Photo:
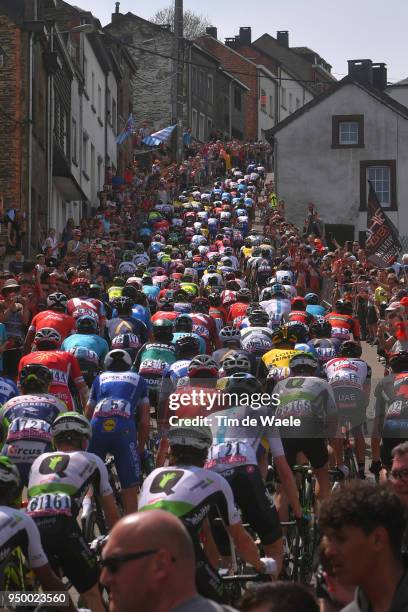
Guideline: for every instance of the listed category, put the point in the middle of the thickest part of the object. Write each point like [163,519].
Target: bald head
[154,529]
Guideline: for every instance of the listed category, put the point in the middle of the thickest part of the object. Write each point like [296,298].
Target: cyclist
[275,303]
[119,410]
[298,313]
[257,337]
[230,338]
[343,323]
[350,378]
[234,454]
[183,326]
[310,400]
[26,419]
[63,365]
[8,389]
[187,346]
[58,481]
[83,304]
[124,322]
[19,531]
[89,363]
[87,336]
[313,305]
[54,317]
[326,346]
[178,489]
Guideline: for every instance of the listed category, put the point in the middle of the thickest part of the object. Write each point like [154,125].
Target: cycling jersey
[204,326]
[115,397]
[26,422]
[237,310]
[277,309]
[153,361]
[343,326]
[316,310]
[300,316]
[349,379]
[86,306]
[201,341]
[92,342]
[178,372]
[125,325]
[151,291]
[310,400]
[326,348]
[63,323]
[8,389]
[17,530]
[256,340]
[63,366]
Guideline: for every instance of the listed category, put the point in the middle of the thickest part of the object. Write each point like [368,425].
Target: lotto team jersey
[117,394]
[63,365]
[279,358]
[236,445]
[189,493]
[19,530]
[8,389]
[58,483]
[342,372]
[92,342]
[61,322]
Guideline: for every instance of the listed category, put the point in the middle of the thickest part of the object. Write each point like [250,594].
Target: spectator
[362,526]
[279,597]
[16,320]
[162,577]
[16,264]
[51,244]
[3,335]
[67,232]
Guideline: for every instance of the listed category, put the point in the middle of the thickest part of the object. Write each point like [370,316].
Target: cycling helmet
[183,323]
[47,337]
[196,437]
[162,325]
[283,335]
[57,301]
[349,348]
[235,362]
[277,290]
[128,342]
[305,348]
[301,360]
[87,324]
[123,304]
[299,330]
[35,376]
[87,359]
[130,292]
[211,269]
[117,360]
[321,329]
[187,345]
[229,333]
[71,422]
[398,361]
[203,366]
[214,299]
[244,294]
[298,303]
[312,299]
[258,318]
[243,382]
[10,481]
[266,294]
[344,307]
[200,304]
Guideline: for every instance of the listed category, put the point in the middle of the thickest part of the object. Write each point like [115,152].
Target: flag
[382,244]
[127,131]
[155,139]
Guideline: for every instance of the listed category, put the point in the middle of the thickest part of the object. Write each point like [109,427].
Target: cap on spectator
[394,306]
[405,258]
[11,283]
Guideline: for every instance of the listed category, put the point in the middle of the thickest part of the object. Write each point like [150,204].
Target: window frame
[210,89]
[337,120]
[263,97]
[74,145]
[237,99]
[283,98]
[392,165]
[194,122]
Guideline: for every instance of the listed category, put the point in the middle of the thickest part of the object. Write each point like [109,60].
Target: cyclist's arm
[50,582]
[143,425]
[288,482]
[28,340]
[210,547]
[245,545]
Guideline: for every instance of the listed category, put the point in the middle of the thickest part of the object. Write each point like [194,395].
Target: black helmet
[187,345]
[321,329]
[399,361]
[183,323]
[163,329]
[35,377]
[244,294]
[300,330]
[349,348]
[344,307]
[123,304]
[258,317]
[243,382]
[86,324]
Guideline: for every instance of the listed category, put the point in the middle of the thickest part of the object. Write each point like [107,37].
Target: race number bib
[113,408]
[340,332]
[24,428]
[50,503]
[231,454]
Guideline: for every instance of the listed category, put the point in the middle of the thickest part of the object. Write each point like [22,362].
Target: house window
[297,103]
[201,84]
[108,106]
[74,141]
[347,131]
[283,100]
[99,102]
[114,115]
[271,106]
[291,102]
[93,90]
[210,88]
[194,122]
[194,79]
[85,70]
[100,162]
[209,127]
[237,99]
[383,175]
[85,165]
[263,100]
[202,127]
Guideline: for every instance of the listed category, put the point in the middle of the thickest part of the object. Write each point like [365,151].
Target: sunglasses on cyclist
[399,474]
[113,564]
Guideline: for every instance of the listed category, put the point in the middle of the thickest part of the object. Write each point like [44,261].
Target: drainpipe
[30,143]
[230,110]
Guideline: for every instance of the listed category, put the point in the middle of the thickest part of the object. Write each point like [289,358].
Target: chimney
[232,42]
[245,36]
[282,36]
[361,70]
[380,75]
[211,31]
[117,5]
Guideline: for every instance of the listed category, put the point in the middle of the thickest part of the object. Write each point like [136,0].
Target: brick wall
[245,72]
[13,114]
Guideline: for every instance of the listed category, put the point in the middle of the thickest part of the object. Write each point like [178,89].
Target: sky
[337,31]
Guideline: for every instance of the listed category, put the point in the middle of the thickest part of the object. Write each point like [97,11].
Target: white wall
[266,115]
[309,170]
[293,95]
[112,129]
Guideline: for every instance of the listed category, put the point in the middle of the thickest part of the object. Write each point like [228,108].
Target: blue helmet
[312,299]
[305,348]
[277,289]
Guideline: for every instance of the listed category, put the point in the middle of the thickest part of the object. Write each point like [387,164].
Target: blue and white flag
[127,131]
[155,139]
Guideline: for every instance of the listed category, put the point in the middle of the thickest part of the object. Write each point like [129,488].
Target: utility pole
[178,33]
